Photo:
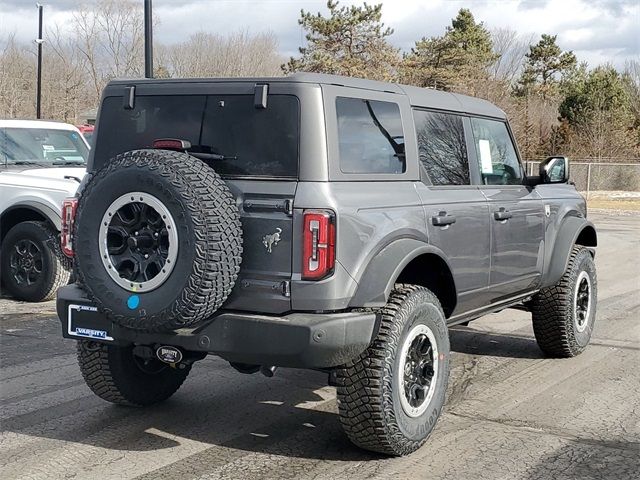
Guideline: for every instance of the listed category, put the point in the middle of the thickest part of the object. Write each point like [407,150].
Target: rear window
[254,142]
[370,136]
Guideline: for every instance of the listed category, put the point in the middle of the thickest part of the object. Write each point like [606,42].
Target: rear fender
[379,278]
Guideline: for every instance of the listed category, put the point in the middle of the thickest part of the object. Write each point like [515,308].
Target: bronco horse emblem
[272,240]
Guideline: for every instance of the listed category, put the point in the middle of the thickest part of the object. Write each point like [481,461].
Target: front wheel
[116,375]
[32,264]
[564,314]
[391,396]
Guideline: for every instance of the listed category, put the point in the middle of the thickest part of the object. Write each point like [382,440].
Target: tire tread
[364,384]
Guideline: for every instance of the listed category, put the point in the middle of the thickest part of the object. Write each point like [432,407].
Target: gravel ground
[511,413]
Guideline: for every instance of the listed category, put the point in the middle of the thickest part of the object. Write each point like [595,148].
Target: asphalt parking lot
[511,413]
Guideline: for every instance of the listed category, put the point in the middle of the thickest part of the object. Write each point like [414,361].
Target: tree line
[555,102]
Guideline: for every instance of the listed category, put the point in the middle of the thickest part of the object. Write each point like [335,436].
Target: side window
[441,147]
[370,137]
[497,157]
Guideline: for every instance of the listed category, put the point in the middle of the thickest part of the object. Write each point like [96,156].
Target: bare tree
[17,85]
[510,48]
[109,34]
[65,79]
[235,55]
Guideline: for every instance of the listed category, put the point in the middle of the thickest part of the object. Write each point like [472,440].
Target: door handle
[502,214]
[442,219]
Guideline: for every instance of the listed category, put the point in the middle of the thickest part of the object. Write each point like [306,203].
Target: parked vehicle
[87,131]
[41,163]
[318,222]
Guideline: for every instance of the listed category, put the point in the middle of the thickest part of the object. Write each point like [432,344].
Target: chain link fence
[598,176]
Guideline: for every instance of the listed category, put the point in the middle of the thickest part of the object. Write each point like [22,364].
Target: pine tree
[457,60]
[351,41]
[545,67]
[597,108]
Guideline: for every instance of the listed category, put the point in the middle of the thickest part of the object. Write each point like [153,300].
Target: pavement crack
[533,428]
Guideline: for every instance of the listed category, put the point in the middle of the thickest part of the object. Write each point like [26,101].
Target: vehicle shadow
[292,414]
[280,416]
[477,342]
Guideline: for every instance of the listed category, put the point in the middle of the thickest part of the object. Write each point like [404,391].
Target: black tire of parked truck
[32,263]
[158,240]
[116,375]
[564,314]
[391,396]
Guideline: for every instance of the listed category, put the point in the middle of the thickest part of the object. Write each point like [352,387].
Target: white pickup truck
[41,163]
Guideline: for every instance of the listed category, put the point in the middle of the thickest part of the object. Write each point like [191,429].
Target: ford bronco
[318,222]
[41,163]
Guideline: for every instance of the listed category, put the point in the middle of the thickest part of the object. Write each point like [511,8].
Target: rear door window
[370,136]
[442,148]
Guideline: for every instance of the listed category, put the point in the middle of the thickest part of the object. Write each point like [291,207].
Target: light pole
[39,42]
[148,40]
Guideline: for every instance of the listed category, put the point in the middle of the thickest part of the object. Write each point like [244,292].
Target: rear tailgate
[266,209]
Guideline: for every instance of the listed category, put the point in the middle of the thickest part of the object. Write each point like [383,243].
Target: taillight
[69,206]
[319,244]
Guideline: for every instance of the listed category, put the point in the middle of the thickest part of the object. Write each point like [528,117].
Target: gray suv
[318,222]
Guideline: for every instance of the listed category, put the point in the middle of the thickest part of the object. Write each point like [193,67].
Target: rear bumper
[307,340]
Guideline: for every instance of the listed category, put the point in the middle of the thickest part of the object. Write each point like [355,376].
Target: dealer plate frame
[89,332]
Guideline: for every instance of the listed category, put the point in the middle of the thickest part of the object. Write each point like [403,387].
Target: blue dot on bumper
[133,301]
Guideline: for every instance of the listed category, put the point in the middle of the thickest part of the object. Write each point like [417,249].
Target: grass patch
[614,204]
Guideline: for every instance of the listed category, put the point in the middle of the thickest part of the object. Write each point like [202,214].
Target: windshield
[42,147]
[227,131]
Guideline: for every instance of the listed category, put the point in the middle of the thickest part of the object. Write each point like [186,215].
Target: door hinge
[286,288]
[288,206]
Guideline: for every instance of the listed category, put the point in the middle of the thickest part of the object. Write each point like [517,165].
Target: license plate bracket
[84,321]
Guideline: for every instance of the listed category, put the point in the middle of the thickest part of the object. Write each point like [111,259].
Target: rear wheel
[32,264]
[118,376]
[391,396]
[564,314]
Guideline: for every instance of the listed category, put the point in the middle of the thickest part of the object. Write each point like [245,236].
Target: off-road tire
[209,239]
[55,265]
[552,309]
[368,399]
[113,374]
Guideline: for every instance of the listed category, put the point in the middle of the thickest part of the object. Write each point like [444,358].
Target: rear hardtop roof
[418,97]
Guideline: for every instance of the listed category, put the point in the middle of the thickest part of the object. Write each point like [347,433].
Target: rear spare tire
[158,240]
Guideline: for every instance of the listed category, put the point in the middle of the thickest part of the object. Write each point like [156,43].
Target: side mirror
[554,170]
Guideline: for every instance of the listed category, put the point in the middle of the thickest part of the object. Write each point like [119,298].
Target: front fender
[52,215]
[378,279]
[555,264]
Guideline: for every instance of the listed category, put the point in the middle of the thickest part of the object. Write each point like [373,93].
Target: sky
[598,31]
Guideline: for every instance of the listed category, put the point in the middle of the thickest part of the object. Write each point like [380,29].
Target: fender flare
[50,214]
[556,263]
[378,279]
